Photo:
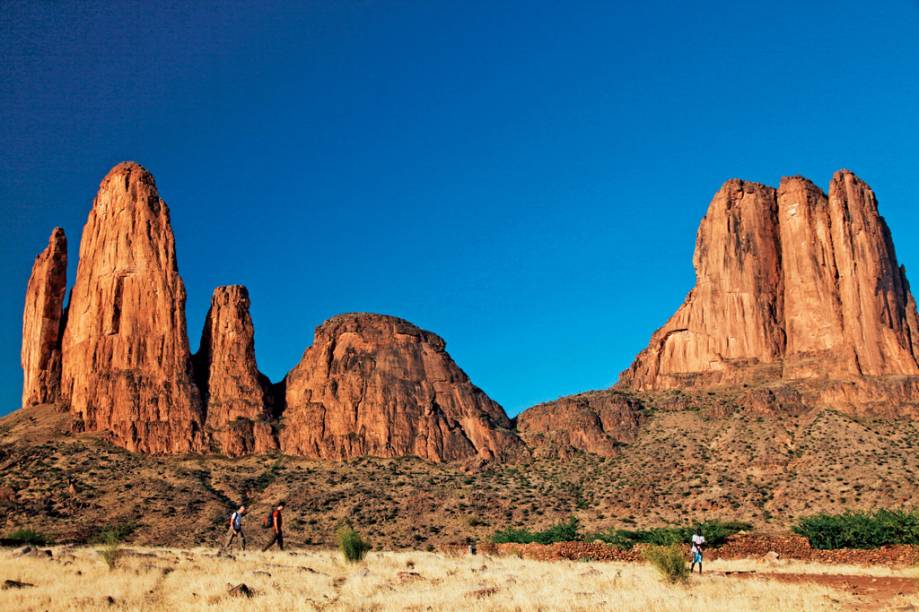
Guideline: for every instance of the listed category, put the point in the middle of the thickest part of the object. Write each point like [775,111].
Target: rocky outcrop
[126,362]
[378,385]
[598,422]
[233,390]
[730,328]
[790,284]
[43,323]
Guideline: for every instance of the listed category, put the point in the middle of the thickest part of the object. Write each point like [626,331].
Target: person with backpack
[274,520]
[698,541]
[236,529]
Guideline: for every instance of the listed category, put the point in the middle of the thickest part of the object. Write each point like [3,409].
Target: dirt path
[872,592]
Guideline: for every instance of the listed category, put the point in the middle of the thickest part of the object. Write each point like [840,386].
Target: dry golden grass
[176,579]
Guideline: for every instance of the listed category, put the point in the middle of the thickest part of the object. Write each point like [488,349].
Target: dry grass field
[77,578]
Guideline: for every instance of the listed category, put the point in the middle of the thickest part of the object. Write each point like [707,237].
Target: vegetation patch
[562,532]
[351,544]
[27,536]
[669,561]
[860,529]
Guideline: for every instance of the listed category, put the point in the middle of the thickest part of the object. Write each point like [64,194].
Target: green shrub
[111,547]
[114,533]
[860,529]
[669,561]
[352,546]
[562,532]
[715,532]
[28,536]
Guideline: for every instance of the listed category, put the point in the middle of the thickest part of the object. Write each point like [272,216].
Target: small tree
[669,561]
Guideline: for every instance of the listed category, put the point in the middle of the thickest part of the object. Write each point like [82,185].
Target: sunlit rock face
[126,361]
[377,385]
[233,390]
[43,323]
[791,284]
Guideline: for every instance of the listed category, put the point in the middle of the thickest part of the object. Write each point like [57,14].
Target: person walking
[275,521]
[698,541]
[236,529]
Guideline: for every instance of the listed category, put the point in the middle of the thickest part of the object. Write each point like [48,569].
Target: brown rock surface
[729,329]
[43,323]
[126,361]
[596,422]
[377,385]
[232,388]
[790,285]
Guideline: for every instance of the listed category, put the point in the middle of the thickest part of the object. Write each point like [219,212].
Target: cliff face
[232,388]
[377,385]
[790,284]
[126,361]
[43,323]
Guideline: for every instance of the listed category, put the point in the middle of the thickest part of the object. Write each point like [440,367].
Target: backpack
[269,520]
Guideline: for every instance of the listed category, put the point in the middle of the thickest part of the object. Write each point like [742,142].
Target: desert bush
[562,532]
[668,560]
[28,536]
[110,551]
[350,543]
[860,529]
[119,533]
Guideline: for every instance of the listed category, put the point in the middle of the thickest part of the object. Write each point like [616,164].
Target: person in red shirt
[276,525]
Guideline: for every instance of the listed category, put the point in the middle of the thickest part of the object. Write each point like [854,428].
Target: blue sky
[523,178]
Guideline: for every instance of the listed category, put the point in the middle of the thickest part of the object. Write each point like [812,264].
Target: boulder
[597,422]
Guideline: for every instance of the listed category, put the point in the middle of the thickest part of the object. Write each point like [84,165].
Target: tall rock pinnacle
[233,390]
[42,323]
[790,284]
[126,361]
[730,328]
[377,385]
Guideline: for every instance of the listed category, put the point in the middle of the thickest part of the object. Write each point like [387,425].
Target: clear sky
[523,178]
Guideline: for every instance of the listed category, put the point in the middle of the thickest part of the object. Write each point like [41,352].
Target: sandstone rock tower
[233,390]
[126,361]
[790,284]
[43,324]
[378,385]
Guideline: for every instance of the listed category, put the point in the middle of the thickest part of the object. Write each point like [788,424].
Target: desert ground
[78,578]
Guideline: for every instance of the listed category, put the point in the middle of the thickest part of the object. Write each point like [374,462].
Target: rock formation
[378,385]
[126,362]
[790,284]
[43,322]
[597,422]
[232,388]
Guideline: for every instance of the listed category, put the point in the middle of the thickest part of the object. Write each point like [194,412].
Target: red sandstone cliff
[232,388]
[789,285]
[42,323]
[126,361]
[378,385]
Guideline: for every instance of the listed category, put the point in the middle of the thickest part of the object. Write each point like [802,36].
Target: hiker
[274,520]
[698,540]
[236,529]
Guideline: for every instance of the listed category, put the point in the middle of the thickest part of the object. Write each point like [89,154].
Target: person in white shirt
[236,529]
[698,540]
